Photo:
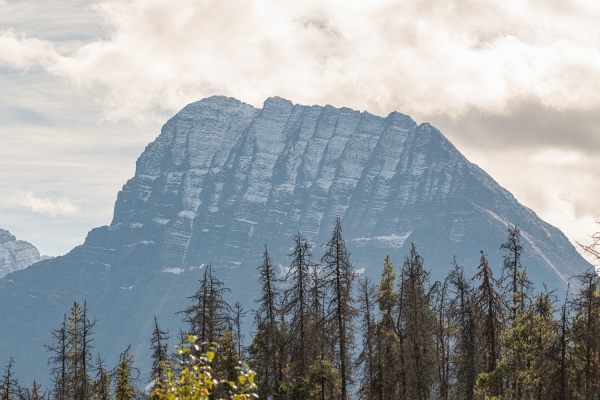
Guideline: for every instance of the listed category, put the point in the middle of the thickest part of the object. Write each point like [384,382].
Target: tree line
[322,331]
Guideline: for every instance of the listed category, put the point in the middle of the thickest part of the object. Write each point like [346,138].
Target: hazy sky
[86,85]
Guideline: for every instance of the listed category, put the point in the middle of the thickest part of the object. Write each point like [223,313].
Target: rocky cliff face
[223,179]
[15,254]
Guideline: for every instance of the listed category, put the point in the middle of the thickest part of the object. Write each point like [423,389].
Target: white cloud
[43,205]
[420,57]
[22,52]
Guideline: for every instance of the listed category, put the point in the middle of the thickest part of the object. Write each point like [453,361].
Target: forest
[323,331]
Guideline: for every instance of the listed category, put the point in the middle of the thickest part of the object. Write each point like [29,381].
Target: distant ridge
[223,178]
[16,254]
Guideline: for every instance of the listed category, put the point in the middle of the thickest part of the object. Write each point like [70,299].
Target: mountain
[224,178]
[16,254]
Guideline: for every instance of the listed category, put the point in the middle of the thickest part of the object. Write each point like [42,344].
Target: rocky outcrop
[224,178]
[16,254]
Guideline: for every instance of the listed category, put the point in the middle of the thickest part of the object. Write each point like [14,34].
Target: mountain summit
[224,178]
[16,254]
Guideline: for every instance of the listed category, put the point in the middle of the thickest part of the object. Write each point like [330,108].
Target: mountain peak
[5,237]
[15,254]
[224,178]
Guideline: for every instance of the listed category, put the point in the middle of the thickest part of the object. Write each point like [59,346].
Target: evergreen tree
[528,362]
[125,376]
[75,357]
[160,356]
[86,354]
[58,361]
[319,335]
[443,338]
[297,307]
[70,358]
[180,359]
[36,392]
[9,386]
[489,310]
[209,315]
[367,300]
[227,362]
[586,326]
[564,353]
[238,315]
[518,287]
[124,388]
[465,358]
[418,320]
[101,384]
[266,350]
[390,379]
[339,276]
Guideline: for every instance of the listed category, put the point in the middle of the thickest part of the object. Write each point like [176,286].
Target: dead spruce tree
[489,310]
[267,355]
[338,277]
[160,355]
[9,386]
[297,310]
[58,360]
[366,361]
[518,288]
[209,315]
[443,338]
[322,378]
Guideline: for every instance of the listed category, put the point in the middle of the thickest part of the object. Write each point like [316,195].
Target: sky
[86,85]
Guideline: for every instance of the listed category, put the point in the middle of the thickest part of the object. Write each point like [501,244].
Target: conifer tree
[586,325]
[101,384]
[124,388]
[209,315]
[9,386]
[237,320]
[266,350]
[58,360]
[180,359]
[518,287]
[321,348]
[390,381]
[160,356]
[297,306]
[443,337]
[528,362]
[36,392]
[226,363]
[70,358]
[366,361]
[75,357]
[489,310]
[418,321]
[86,354]
[564,351]
[339,276]
[125,376]
[545,363]
[462,315]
